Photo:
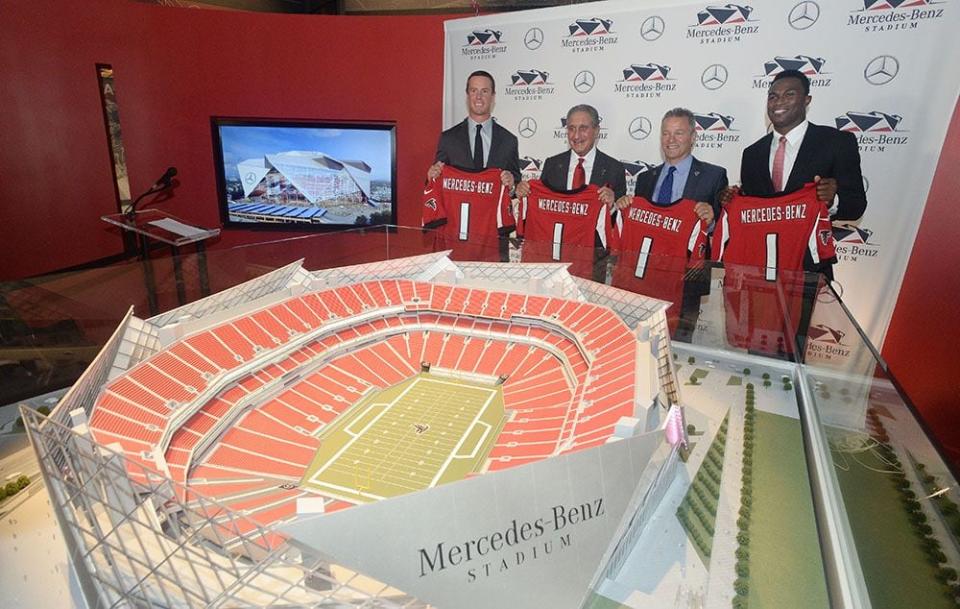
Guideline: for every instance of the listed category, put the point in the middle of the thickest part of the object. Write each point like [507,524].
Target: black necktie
[478,149]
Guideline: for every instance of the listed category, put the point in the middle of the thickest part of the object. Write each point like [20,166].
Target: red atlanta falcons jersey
[762,315]
[562,226]
[471,210]
[774,232]
[654,246]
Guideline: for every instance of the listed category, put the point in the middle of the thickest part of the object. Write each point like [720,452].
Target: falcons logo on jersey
[431,203]
[826,236]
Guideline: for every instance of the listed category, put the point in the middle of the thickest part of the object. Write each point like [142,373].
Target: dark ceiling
[368,7]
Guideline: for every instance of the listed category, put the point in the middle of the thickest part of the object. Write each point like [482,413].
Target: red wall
[174,68]
[923,339]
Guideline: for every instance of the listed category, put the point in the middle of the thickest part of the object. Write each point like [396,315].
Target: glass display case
[804,477]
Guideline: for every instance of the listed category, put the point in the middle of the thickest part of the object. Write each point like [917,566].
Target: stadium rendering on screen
[296,175]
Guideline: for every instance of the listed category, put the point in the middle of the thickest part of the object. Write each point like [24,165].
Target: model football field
[783,530]
[422,432]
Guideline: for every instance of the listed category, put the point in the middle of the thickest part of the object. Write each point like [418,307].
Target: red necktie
[580,176]
[778,158]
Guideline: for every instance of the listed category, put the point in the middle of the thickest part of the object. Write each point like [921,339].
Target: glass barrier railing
[837,457]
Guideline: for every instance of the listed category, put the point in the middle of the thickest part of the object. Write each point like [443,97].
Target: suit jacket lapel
[564,170]
[804,158]
[465,140]
[598,175]
[693,179]
[654,176]
[763,163]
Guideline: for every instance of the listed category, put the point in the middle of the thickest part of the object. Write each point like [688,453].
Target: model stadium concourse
[490,427]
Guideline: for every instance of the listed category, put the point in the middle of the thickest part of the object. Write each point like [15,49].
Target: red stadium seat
[546,348]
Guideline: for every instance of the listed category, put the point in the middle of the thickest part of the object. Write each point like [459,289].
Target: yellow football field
[425,431]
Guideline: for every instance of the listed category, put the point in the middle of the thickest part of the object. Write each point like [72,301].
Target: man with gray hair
[583,164]
[681,175]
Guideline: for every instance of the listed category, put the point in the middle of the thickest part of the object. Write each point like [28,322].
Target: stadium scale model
[228,438]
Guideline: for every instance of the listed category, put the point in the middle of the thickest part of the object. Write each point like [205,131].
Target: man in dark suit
[478,141]
[803,152]
[796,152]
[681,175]
[583,163]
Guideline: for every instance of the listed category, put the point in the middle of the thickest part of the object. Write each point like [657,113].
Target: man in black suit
[810,153]
[560,172]
[681,175]
[797,152]
[478,142]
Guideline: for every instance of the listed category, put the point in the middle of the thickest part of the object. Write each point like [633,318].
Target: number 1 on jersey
[643,257]
[557,239]
[771,257]
[464,220]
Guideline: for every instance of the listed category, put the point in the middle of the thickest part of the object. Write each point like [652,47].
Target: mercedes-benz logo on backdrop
[527,127]
[583,82]
[714,77]
[640,128]
[533,38]
[881,69]
[652,28]
[803,14]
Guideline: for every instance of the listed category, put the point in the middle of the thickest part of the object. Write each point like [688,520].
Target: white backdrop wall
[885,69]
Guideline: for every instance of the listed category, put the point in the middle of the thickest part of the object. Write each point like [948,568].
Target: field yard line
[463,437]
[360,416]
[479,443]
[343,448]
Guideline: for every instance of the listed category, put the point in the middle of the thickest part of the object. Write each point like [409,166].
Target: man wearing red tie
[797,152]
[583,164]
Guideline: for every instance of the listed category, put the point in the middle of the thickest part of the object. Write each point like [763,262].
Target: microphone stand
[156,188]
[164,183]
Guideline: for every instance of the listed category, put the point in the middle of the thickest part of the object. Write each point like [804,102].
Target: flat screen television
[304,174]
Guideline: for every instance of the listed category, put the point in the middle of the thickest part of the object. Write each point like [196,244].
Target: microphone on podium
[164,182]
[165,179]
